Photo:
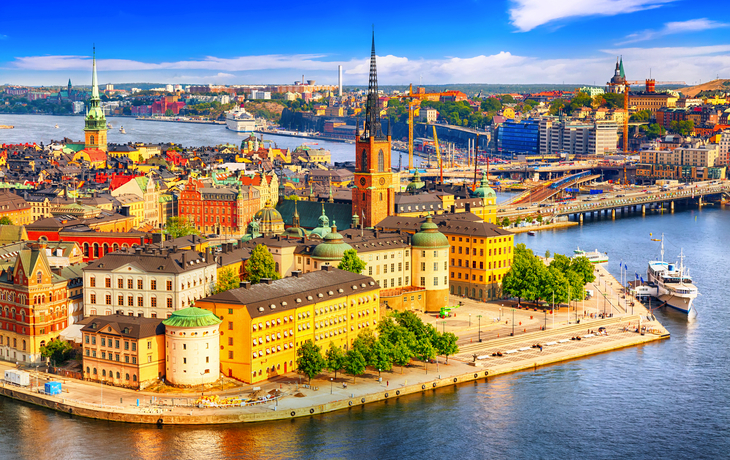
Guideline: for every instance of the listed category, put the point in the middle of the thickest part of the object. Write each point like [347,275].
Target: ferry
[240,121]
[594,257]
[673,284]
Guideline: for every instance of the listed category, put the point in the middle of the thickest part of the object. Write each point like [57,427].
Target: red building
[93,244]
[218,209]
[167,103]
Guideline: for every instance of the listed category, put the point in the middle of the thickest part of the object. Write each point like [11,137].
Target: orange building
[127,351]
[373,196]
[15,208]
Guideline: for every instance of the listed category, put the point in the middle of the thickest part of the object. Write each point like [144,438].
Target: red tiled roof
[95,154]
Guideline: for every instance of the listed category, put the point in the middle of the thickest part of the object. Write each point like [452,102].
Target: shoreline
[538,228]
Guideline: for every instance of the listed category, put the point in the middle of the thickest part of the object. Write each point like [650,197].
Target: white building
[78,106]
[723,153]
[603,138]
[169,88]
[592,90]
[192,342]
[147,281]
[256,94]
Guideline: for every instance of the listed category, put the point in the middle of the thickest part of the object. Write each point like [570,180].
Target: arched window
[103,372]
[118,375]
[91,140]
[86,249]
[134,377]
[364,160]
[39,277]
[381,161]
[381,196]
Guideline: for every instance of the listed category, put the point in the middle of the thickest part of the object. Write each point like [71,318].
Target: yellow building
[480,255]
[127,351]
[15,208]
[136,206]
[263,325]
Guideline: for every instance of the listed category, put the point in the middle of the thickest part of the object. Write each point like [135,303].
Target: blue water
[661,400]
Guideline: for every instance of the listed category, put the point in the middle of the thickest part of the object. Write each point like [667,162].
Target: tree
[227,279]
[424,349]
[334,358]
[354,363]
[260,265]
[505,222]
[507,99]
[5,220]
[57,350]
[309,359]
[168,113]
[641,115]
[364,343]
[547,254]
[381,357]
[401,354]
[446,345]
[491,104]
[685,128]
[179,226]
[653,130]
[351,262]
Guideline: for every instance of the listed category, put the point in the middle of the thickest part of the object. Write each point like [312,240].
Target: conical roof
[429,236]
[192,317]
[484,190]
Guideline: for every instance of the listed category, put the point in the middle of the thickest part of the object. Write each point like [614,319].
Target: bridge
[595,205]
[552,188]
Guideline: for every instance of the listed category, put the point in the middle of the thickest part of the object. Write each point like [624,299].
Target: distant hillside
[714,85]
[472,89]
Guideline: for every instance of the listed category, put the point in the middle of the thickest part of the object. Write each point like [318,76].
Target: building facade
[147,281]
[192,340]
[263,325]
[221,210]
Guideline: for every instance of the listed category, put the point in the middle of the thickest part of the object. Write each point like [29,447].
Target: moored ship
[594,257]
[240,121]
[673,284]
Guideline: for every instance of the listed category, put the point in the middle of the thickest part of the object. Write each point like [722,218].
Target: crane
[413,103]
[438,156]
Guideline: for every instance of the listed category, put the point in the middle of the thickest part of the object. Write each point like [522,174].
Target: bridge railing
[566,179]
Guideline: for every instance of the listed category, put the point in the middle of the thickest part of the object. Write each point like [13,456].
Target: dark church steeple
[372,111]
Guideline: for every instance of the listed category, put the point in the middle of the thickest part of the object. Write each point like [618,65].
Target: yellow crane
[438,156]
[413,104]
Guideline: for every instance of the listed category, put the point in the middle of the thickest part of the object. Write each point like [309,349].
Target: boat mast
[662,247]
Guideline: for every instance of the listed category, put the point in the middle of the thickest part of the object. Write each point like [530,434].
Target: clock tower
[373,195]
[95,123]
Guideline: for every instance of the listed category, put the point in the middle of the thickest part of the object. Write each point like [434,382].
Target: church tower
[373,196]
[95,125]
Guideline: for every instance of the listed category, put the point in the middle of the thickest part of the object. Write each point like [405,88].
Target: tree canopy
[5,220]
[351,262]
[227,279]
[180,226]
[309,359]
[335,358]
[260,265]
[56,350]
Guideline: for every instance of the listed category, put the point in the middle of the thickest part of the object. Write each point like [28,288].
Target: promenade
[499,352]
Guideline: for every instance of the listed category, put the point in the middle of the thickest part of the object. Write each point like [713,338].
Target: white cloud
[526,15]
[671,63]
[670,28]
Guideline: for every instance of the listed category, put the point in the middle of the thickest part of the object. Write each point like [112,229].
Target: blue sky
[436,42]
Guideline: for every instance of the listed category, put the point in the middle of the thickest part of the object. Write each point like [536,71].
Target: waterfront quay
[609,321]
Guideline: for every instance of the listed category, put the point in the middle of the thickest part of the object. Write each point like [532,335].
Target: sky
[428,42]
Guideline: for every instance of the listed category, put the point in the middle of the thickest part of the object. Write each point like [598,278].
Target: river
[662,400]
[41,128]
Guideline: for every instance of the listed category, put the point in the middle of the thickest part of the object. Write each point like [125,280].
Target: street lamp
[513,322]
[480,327]
[332,383]
[469,319]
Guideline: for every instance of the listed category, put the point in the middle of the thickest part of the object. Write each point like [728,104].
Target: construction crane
[438,156]
[650,85]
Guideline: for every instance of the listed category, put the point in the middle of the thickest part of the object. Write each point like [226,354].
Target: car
[212,235]
[521,208]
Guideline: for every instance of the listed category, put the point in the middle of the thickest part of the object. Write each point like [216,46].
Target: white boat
[121,130]
[56,126]
[594,257]
[673,284]
[240,121]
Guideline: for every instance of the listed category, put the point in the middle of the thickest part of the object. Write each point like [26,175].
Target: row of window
[497,251]
[384,283]
[270,350]
[130,283]
[130,301]
[385,268]
[116,343]
[435,281]
[497,264]
[93,371]
[272,368]
[491,278]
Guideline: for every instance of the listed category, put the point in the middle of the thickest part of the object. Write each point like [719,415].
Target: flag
[637,275]
[642,280]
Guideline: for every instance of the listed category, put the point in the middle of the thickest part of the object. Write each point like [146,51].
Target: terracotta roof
[151,260]
[95,154]
[134,327]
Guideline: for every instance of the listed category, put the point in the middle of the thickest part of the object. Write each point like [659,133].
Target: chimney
[467,207]
[328,267]
[174,248]
[230,247]
[138,250]
[245,284]
[207,255]
[183,259]
[296,273]
[453,209]
[267,280]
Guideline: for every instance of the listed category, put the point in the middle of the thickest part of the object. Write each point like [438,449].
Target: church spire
[94,84]
[372,112]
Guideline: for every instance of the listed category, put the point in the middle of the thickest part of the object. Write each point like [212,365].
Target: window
[169,285]
[121,300]
[108,299]
[149,344]
[126,345]
[116,344]
[130,301]
[120,283]
[230,325]
[134,346]
[92,281]
[423,281]
[107,282]
[435,266]
[169,302]
[230,354]
[435,281]
[423,266]
[139,284]
[230,341]
[381,161]
[153,285]
[149,359]
[92,298]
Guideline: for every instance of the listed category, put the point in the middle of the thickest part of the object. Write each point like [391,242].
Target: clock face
[382,181]
[362,181]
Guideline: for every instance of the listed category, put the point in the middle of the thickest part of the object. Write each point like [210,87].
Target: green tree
[168,113]
[5,220]
[505,222]
[57,350]
[424,349]
[446,345]
[334,358]
[653,130]
[351,262]
[401,354]
[354,363]
[641,115]
[613,100]
[547,254]
[364,343]
[309,360]
[381,356]
[227,279]
[491,104]
[260,265]
[180,226]
[685,128]
[507,99]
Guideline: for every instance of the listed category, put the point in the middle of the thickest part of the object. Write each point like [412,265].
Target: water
[40,128]
[661,400]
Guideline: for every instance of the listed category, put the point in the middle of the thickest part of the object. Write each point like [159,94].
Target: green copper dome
[269,218]
[429,236]
[324,225]
[484,190]
[192,317]
[333,247]
[416,183]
